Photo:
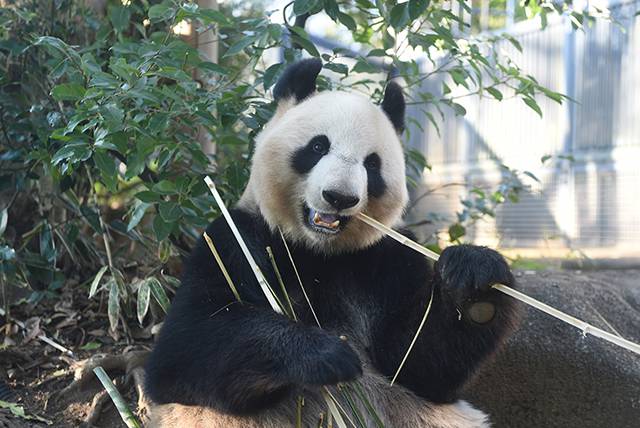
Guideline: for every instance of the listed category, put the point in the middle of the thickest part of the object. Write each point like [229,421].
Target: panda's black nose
[338,200]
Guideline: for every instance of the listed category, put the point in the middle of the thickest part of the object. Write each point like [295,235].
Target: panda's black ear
[298,80]
[394,106]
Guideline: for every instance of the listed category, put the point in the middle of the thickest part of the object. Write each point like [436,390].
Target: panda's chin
[325,223]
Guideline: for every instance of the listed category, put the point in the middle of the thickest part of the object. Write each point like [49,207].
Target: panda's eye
[320,144]
[372,161]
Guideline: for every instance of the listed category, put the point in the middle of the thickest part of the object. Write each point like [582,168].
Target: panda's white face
[319,163]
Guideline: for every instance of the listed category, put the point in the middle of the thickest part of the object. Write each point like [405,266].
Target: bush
[105,119]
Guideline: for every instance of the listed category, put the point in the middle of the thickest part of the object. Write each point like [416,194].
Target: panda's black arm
[451,345]
[236,357]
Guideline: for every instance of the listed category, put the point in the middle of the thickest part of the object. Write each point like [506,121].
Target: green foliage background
[102,118]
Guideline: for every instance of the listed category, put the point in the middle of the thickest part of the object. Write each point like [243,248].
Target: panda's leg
[399,407]
[282,415]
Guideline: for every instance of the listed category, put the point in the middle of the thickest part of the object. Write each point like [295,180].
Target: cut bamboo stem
[236,233]
[116,397]
[216,256]
[295,269]
[575,322]
[415,338]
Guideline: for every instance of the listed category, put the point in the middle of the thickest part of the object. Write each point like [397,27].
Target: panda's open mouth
[324,222]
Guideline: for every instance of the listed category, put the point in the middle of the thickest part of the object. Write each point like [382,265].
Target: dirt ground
[36,374]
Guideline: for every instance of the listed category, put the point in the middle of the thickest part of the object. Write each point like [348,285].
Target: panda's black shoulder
[390,255]
[200,264]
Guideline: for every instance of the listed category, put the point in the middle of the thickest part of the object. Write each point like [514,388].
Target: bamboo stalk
[243,246]
[292,313]
[266,289]
[295,269]
[216,256]
[415,338]
[121,405]
[575,322]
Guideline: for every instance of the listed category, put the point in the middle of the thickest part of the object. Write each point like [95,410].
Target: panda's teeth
[317,220]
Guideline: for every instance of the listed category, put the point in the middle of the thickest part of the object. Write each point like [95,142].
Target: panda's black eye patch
[372,161]
[375,183]
[305,158]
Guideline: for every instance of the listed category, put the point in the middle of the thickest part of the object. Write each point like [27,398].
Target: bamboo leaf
[533,105]
[96,281]
[158,293]
[142,302]
[113,307]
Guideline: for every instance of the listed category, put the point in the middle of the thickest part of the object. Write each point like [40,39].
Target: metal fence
[592,202]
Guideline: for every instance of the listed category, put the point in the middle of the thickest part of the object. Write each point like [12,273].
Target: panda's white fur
[356,127]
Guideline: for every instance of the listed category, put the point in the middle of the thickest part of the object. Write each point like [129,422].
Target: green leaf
[60,46]
[113,306]
[300,7]
[19,412]
[301,38]
[545,158]
[148,196]
[239,46]
[161,228]
[92,217]
[417,7]
[377,52]
[458,109]
[4,219]
[165,187]
[495,93]
[169,211]
[270,74]
[331,8]
[514,42]
[91,346]
[68,92]
[347,21]
[533,105]
[96,281]
[160,12]
[530,174]
[75,151]
[363,66]
[105,163]
[158,293]
[142,302]
[213,67]
[337,68]
[119,17]
[138,213]
[47,245]
[456,231]
[399,16]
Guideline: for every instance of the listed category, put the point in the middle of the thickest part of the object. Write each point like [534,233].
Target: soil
[36,373]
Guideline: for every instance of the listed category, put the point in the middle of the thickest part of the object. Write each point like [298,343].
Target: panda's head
[325,157]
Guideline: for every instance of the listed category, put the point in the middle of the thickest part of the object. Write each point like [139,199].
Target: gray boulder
[549,375]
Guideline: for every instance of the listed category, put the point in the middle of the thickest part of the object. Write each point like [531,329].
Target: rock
[550,375]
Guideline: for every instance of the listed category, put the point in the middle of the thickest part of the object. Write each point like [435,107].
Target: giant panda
[323,158]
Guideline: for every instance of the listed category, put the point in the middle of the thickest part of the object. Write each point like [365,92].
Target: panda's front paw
[330,362]
[468,272]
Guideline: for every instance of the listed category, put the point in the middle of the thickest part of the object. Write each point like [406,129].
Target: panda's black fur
[244,358]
